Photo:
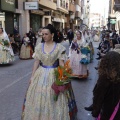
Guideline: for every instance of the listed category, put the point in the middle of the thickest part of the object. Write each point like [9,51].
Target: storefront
[59,23]
[36,19]
[7,8]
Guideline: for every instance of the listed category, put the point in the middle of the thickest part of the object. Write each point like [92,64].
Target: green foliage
[6,43]
[65,74]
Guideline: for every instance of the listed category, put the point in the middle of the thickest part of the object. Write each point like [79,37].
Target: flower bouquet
[6,43]
[84,52]
[63,78]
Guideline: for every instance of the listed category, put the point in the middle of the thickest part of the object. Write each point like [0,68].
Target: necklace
[47,45]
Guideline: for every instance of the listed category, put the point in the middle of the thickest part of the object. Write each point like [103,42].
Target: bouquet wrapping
[63,77]
[84,52]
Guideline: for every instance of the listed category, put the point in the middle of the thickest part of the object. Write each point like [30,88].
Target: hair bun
[50,25]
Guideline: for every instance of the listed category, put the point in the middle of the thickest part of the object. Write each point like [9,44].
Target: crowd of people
[46,48]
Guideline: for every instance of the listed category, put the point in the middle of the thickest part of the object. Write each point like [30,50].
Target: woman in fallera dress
[79,70]
[6,52]
[26,51]
[39,103]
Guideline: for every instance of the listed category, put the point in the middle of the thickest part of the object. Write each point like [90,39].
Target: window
[16,4]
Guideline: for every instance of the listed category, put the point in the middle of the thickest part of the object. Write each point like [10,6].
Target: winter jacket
[106,95]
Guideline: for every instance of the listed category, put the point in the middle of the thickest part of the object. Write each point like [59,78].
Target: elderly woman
[117,48]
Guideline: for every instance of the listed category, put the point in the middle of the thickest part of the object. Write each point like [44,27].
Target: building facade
[86,12]
[95,20]
[117,14]
[114,15]
[26,14]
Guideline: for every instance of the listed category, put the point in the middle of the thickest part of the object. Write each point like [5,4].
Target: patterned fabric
[26,52]
[6,53]
[78,69]
[39,103]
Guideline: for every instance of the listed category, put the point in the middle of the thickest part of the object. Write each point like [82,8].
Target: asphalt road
[14,80]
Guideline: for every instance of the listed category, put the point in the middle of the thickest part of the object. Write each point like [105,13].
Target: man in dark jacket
[70,36]
[32,38]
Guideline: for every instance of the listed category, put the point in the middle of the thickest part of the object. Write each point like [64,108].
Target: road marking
[14,82]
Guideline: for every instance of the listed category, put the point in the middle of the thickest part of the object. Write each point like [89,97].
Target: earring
[52,38]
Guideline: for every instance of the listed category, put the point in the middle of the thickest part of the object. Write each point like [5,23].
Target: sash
[114,112]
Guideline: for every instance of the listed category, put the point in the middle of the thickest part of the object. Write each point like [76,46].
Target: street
[14,80]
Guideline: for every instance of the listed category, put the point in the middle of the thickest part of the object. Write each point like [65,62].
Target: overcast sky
[100,6]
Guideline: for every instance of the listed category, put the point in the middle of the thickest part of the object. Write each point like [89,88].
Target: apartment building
[114,15]
[86,12]
[23,14]
[117,14]
[95,20]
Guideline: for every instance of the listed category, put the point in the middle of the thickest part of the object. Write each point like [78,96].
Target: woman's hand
[75,40]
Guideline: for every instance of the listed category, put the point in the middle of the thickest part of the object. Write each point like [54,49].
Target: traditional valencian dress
[89,40]
[26,50]
[75,56]
[6,52]
[39,102]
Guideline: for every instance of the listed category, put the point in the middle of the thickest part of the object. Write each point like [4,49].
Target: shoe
[96,68]
[98,48]
[99,58]
[90,108]
[98,53]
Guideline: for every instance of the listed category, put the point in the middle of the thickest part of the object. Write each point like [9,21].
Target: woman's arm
[35,67]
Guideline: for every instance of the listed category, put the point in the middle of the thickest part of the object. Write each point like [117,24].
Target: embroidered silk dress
[78,69]
[40,104]
[6,52]
[26,50]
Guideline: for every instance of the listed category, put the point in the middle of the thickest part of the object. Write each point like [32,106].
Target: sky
[99,6]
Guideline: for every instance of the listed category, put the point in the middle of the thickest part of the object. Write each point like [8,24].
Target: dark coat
[106,96]
[70,35]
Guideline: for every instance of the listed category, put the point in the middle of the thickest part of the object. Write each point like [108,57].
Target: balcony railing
[48,3]
[117,1]
[117,7]
[62,6]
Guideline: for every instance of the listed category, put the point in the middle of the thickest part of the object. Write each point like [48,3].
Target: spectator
[70,36]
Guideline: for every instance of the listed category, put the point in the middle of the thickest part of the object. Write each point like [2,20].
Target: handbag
[114,112]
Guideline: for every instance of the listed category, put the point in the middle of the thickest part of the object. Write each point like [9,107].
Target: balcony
[117,5]
[62,6]
[117,1]
[48,4]
[71,7]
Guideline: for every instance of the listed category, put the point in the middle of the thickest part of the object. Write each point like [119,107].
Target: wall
[24,18]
